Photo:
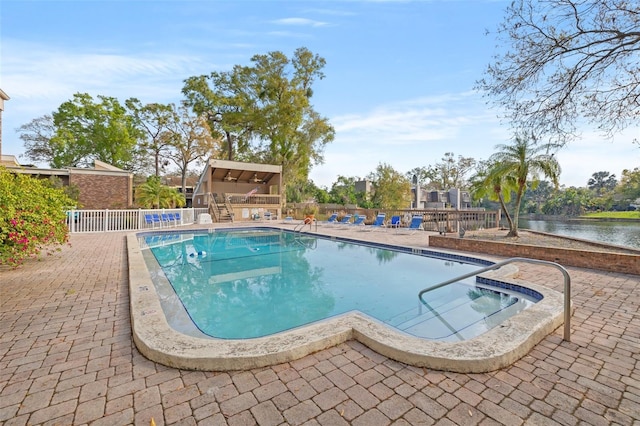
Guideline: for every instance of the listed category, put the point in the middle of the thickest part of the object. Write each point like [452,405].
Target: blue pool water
[242,284]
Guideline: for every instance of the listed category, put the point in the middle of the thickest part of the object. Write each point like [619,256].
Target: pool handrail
[567,285]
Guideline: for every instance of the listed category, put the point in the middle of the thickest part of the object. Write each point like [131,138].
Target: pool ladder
[567,285]
[299,227]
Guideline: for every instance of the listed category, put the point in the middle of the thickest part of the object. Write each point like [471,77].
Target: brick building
[101,187]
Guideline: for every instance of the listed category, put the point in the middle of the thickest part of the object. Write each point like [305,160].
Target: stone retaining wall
[613,262]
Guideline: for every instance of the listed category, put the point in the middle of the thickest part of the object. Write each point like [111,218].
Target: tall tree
[264,111]
[565,60]
[392,190]
[629,186]
[602,181]
[451,172]
[520,162]
[190,139]
[223,98]
[154,119]
[36,136]
[295,134]
[83,130]
[88,130]
[343,190]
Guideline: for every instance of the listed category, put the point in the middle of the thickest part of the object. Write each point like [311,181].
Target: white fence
[80,221]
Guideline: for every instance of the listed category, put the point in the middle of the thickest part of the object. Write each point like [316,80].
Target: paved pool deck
[67,358]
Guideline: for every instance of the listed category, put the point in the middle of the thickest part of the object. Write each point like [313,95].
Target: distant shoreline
[577,218]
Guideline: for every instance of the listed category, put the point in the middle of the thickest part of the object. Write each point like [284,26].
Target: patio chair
[165,218]
[395,222]
[378,223]
[156,218]
[345,220]
[178,219]
[150,220]
[359,221]
[332,220]
[414,226]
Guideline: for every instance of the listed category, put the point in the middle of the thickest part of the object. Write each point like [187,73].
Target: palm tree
[152,194]
[523,160]
[489,183]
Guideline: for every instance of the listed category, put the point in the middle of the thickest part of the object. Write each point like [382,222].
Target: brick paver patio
[67,357]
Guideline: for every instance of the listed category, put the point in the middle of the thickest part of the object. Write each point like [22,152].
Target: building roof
[100,168]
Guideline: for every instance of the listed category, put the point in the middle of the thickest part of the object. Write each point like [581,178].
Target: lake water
[609,232]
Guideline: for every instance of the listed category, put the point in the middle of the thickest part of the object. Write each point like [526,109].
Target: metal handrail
[567,286]
[299,227]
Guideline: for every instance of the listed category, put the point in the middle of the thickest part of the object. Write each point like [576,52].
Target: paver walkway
[67,357]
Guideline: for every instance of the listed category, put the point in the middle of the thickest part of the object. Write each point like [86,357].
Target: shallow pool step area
[461,316]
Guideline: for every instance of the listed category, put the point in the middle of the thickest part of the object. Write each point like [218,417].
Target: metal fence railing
[84,221]
[437,220]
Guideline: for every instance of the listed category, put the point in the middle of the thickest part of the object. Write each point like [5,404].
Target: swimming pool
[255,261]
[241,284]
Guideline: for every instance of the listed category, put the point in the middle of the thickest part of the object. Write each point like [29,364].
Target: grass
[614,215]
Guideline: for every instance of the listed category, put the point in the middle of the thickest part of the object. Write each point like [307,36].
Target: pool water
[242,284]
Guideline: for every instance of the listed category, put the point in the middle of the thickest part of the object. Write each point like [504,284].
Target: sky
[399,75]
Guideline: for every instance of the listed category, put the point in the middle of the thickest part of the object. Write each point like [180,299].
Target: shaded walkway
[66,357]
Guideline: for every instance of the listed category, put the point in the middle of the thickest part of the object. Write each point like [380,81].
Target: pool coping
[495,349]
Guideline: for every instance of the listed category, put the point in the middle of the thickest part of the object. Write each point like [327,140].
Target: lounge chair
[378,223]
[359,221]
[165,218]
[332,220]
[395,222]
[415,224]
[345,220]
[156,219]
[150,220]
[178,219]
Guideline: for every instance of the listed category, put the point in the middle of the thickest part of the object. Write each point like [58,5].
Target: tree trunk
[506,213]
[513,228]
[229,145]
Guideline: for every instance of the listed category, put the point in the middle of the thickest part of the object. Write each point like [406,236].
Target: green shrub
[32,217]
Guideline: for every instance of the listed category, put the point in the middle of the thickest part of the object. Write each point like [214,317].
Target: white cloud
[46,71]
[300,22]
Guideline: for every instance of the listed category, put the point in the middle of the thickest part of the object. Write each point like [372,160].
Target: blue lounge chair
[165,218]
[178,219]
[359,221]
[414,225]
[345,220]
[395,222]
[155,219]
[149,220]
[332,220]
[378,223]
